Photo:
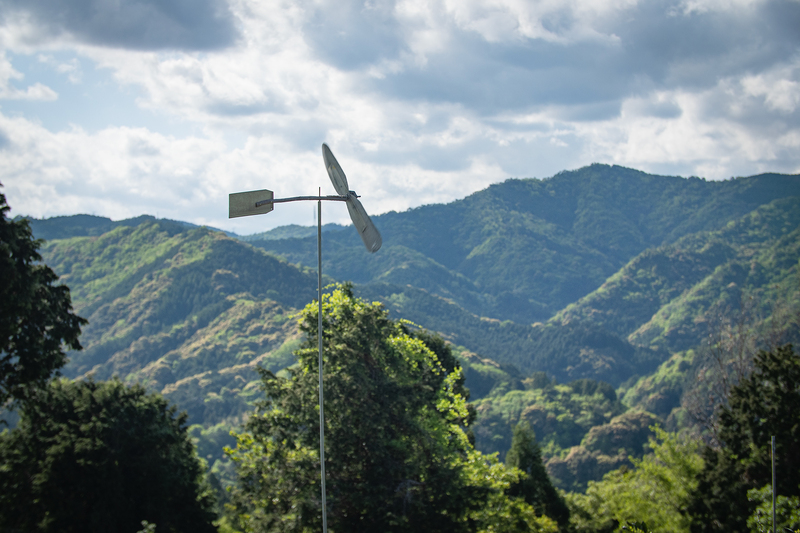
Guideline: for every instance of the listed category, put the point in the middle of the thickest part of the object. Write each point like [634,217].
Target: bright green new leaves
[397,455]
[499,512]
[656,492]
[787,511]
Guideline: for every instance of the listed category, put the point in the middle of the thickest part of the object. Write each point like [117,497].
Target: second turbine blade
[366,229]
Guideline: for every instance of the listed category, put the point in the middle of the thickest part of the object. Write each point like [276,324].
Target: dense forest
[605,326]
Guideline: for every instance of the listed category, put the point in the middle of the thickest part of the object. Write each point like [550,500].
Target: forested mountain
[525,249]
[573,301]
[185,311]
[755,255]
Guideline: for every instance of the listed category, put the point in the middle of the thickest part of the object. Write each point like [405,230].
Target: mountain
[289,232]
[522,250]
[553,293]
[663,296]
[179,308]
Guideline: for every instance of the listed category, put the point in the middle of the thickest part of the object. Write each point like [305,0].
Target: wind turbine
[242,204]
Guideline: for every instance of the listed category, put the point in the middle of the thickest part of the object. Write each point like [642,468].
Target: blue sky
[163,107]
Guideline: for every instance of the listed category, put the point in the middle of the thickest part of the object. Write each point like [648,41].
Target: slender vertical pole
[319,332]
[773,484]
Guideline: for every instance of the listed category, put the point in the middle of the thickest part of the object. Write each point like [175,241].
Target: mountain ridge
[559,227]
[189,311]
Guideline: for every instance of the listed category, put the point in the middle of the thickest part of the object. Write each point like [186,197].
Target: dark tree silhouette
[36,318]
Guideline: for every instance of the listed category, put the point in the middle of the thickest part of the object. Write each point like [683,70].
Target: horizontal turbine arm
[301,198]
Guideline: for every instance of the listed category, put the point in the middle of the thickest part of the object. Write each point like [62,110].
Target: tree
[765,404]
[534,485]
[397,455]
[36,318]
[787,511]
[652,496]
[100,456]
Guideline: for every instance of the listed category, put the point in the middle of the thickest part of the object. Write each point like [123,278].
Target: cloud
[717,133]
[124,172]
[779,88]
[421,100]
[8,91]
[490,58]
[71,68]
[129,24]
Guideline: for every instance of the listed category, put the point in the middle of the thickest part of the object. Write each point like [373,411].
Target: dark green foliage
[590,387]
[99,456]
[535,488]
[485,377]
[765,404]
[213,397]
[36,318]
[604,447]
[567,352]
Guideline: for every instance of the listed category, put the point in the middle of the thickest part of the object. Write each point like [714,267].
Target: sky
[119,108]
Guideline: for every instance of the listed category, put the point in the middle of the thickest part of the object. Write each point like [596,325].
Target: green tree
[36,318]
[765,404]
[787,511]
[652,496]
[397,455]
[534,485]
[100,456]
[500,512]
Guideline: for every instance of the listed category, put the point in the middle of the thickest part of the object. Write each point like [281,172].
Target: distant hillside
[167,304]
[566,352]
[667,296]
[292,231]
[525,249]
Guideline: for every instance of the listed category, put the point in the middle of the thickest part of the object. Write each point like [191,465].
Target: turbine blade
[366,229]
[335,171]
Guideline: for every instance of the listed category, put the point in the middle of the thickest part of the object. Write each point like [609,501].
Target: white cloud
[8,91]
[779,88]
[124,172]
[702,138]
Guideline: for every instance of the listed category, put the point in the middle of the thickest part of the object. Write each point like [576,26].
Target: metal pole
[319,333]
[773,484]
